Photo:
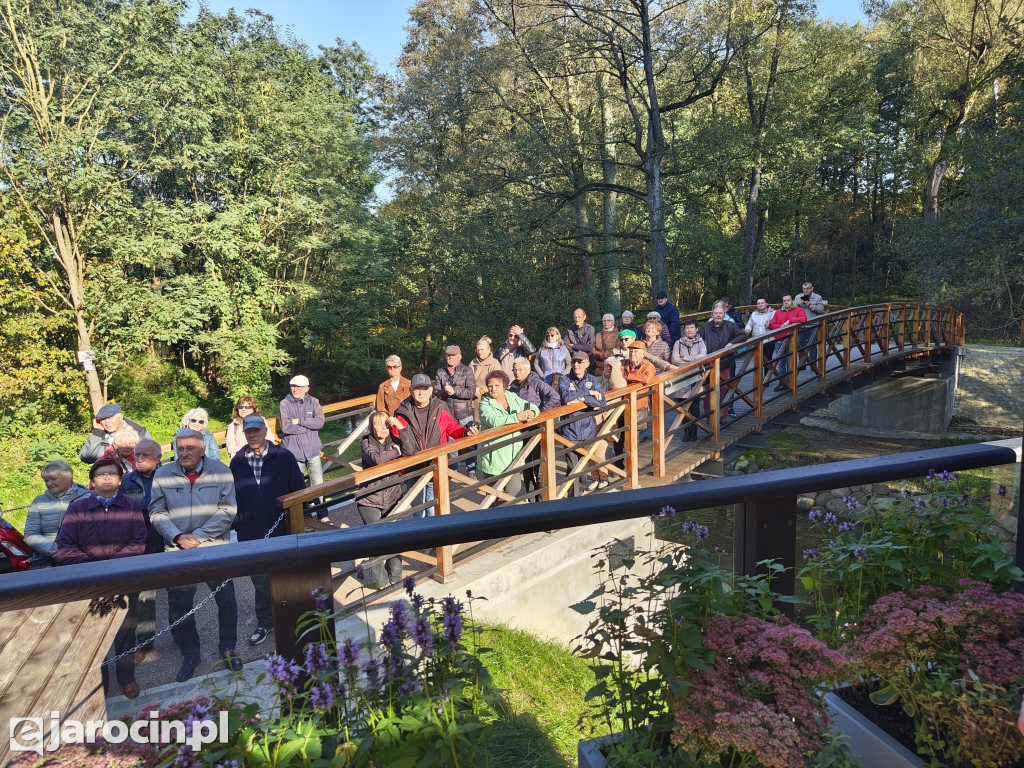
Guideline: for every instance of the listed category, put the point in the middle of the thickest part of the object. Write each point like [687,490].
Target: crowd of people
[135,504]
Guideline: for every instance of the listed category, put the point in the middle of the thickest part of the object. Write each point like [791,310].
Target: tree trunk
[931,193]
[583,239]
[658,245]
[612,260]
[750,233]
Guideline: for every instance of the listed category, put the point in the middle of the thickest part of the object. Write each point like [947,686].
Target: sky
[378,26]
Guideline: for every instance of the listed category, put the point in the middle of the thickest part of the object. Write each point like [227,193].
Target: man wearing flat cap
[638,370]
[301,420]
[455,385]
[262,472]
[109,419]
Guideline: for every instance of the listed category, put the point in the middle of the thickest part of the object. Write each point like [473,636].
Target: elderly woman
[628,325]
[689,349]
[665,336]
[552,357]
[197,420]
[46,512]
[235,435]
[606,341]
[626,338]
[498,408]
[105,525]
[122,448]
[483,365]
[658,351]
[379,447]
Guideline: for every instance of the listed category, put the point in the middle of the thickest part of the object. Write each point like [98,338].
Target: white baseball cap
[299,381]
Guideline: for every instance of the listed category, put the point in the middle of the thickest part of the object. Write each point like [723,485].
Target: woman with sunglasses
[197,419]
[235,437]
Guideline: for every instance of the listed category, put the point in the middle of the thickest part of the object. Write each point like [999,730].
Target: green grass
[537,689]
[785,449]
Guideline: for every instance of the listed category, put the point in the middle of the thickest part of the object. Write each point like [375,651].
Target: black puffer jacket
[376,453]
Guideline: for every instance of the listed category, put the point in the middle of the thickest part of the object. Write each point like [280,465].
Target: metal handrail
[29,589]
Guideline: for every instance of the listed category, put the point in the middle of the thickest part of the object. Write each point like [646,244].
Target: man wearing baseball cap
[423,422]
[301,420]
[109,419]
[262,471]
[669,315]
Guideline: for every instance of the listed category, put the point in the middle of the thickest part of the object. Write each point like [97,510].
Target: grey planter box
[870,744]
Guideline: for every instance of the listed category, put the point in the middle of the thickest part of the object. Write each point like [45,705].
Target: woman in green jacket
[498,408]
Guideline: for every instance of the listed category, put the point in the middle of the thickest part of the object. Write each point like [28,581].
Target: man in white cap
[109,419]
[302,418]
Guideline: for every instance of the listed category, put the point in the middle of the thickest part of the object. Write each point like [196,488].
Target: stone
[821,499]
[880,488]
[751,468]
[862,498]
[840,492]
[836,505]
[883,502]
[1008,523]
[732,472]
[741,465]
[804,503]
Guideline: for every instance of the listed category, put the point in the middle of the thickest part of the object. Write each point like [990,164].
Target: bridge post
[658,428]
[870,336]
[715,419]
[887,325]
[794,359]
[632,442]
[847,342]
[915,332]
[443,506]
[296,519]
[549,477]
[759,379]
[822,343]
[766,530]
[291,595]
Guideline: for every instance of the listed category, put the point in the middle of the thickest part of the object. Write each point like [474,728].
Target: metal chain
[997,328]
[204,601]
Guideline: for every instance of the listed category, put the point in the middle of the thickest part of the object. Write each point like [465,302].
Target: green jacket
[493,415]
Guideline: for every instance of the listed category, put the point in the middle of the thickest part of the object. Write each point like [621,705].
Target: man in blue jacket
[669,315]
[579,386]
[301,419]
[262,471]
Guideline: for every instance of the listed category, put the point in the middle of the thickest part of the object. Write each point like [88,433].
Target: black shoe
[231,659]
[780,388]
[260,635]
[188,668]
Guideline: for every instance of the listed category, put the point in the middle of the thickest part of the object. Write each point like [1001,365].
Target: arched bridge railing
[665,429]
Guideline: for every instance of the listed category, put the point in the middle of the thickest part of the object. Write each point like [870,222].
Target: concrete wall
[903,404]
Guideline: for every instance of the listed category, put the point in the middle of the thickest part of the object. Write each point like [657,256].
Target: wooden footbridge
[50,648]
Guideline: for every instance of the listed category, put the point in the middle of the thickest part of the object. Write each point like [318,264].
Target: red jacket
[794,316]
[441,428]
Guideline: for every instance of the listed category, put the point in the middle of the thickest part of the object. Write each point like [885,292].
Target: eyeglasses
[392,367]
[245,407]
[197,421]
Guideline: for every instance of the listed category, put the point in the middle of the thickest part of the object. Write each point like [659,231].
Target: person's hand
[449,389]
[97,425]
[525,416]
[187,541]
[516,329]
[392,423]
[472,430]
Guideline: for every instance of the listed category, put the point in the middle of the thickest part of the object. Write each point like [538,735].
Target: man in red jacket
[422,423]
[783,318]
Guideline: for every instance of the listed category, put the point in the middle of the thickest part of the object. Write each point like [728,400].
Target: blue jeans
[180,601]
[427,494]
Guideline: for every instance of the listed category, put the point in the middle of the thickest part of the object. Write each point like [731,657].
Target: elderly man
[580,386]
[138,485]
[579,337]
[122,448]
[813,306]
[516,346]
[422,423]
[193,505]
[262,472]
[534,390]
[757,325]
[46,512]
[109,420]
[301,420]
[718,333]
[455,385]
[669,315]
[639,370]
[392,392]
[783,318]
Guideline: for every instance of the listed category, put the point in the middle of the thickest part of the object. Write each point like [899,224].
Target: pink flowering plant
[415,697]
[696,666]
[938,537]
[955,661]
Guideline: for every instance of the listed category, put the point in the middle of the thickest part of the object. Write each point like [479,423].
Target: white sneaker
[602,484]
[593,485]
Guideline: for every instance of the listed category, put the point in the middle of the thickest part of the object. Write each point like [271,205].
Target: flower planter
[870,744]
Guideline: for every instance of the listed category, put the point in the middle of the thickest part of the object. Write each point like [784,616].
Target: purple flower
[469,594]
[845,527]
[320,599]
[814,515]
[360,571]
[1001,489]
[905,493]
[316,658]
[390,636]
[321,697]
[451,606]
[417,602]
[282,671]
[812,554]
[185,758]
[830,518]
[227,764]
[860,553]
[920,503]
[409,582]
[423,635]
[349,653]
[372,670]
[409,687]
[400,615]
[931,474]
[452,627]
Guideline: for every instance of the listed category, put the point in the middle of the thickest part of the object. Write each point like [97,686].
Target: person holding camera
[813,306]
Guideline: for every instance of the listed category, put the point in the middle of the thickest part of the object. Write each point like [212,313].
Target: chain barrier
[997,328]
[139,646]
